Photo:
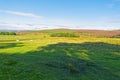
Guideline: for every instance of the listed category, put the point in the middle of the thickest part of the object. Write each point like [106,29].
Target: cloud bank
[38,26]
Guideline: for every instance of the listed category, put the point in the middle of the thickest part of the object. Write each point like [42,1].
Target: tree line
[64,35]
[7,33]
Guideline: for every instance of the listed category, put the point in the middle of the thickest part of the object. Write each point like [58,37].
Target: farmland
[36,55]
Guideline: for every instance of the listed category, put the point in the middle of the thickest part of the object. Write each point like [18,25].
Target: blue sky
[49,14]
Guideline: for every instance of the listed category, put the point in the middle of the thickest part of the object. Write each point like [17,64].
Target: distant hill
[81,32]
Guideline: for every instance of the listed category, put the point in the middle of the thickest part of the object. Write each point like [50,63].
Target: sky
[52,14]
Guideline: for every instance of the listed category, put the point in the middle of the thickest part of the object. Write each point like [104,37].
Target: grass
[59,58]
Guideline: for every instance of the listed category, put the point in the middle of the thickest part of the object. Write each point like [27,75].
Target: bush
[64,35]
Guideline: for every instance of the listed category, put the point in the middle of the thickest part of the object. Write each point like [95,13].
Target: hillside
[95,33]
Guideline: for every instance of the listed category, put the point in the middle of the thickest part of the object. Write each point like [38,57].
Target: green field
[31,57]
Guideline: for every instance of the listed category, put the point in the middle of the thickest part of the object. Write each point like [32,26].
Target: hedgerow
[64,35]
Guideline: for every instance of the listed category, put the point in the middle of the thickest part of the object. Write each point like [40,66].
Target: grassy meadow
[42,57]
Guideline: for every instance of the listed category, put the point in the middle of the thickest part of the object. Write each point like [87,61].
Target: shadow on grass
[63,61]
[10,45]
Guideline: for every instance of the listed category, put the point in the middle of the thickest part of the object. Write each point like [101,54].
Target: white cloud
[106,24]
[113,21]
[21,14]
